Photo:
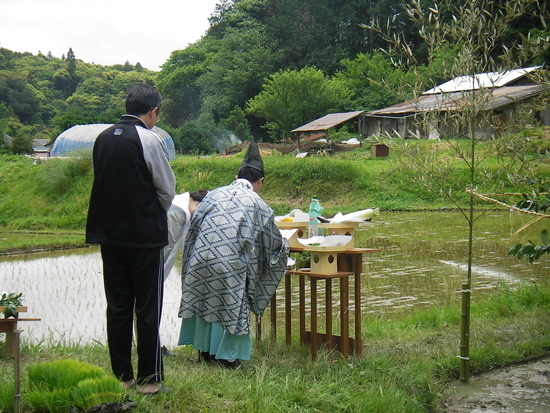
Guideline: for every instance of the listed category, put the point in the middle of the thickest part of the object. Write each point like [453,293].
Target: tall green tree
[237,71]
[291,98]
[373,81]
[71,69]
[17,94]
[177,80]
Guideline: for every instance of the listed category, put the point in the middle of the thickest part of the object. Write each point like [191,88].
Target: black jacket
[133,187]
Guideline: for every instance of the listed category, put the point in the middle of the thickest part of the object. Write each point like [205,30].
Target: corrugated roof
[82,137]
[451,101]
[328,121]
[481,80]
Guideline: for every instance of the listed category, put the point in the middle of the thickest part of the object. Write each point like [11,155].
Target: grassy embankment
[407,361]
[45,204]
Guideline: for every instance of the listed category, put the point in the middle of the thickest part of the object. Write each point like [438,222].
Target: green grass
[26,241]
[54,195]
[405,368]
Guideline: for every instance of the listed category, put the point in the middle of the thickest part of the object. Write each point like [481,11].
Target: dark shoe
[166,353]
[205,357]
[231,365]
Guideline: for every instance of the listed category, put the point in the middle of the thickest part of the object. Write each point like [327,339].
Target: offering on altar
[295,219]
[357,216]
[328,243]
[296,215]
[324,252]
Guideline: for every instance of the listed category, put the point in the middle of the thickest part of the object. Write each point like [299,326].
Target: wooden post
[17,371]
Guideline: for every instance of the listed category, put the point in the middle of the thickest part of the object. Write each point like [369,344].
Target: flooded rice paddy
[422,263]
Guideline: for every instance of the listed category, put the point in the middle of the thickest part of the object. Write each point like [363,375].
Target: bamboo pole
[465,335]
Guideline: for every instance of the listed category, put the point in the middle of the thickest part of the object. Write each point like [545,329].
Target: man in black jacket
[132,191]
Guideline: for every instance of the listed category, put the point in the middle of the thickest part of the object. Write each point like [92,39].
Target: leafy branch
[539,203]
[530,250]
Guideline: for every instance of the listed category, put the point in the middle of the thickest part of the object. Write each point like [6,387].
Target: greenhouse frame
[80,139]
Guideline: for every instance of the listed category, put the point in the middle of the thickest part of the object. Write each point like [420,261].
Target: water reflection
[423,261]
[422,264]
[65,290]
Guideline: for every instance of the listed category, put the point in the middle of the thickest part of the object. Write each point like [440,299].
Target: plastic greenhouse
[81,138]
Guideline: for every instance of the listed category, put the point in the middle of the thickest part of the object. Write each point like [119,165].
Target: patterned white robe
[233,259]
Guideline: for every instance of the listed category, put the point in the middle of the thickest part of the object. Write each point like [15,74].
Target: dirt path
[516,389]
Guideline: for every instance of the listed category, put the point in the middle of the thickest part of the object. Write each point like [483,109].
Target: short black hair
[142,98]
[250,174]
[198,195]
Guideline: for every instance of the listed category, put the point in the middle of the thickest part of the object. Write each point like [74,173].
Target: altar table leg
[258,328]
[344,314]
[328,312]
[302,308]
[288,308]
[358,318]
[314,344]
[274,317]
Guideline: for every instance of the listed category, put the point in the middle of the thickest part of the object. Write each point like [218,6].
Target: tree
[315,33]
[237,124]
[470,34]
[291,98]
[62,81]
[195,137]
[15,92]
[236,72]
[71,69]
[22,144]
[373,81]
[177,81]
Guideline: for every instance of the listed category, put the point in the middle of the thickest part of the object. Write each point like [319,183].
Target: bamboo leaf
[544,237]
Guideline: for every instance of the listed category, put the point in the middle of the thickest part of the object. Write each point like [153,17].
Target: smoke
[225,140]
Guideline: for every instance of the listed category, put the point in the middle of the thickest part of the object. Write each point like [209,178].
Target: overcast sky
[104,32]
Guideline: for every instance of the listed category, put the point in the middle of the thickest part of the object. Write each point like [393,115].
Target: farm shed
[504,96]
[327,122]
[41,147]
[82,137]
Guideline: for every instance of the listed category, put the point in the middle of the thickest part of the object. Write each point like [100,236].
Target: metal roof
[328,121]
[82,137]
[496,98]
[481,80]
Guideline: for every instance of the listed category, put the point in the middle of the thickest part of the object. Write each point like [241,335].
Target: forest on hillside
[265,67]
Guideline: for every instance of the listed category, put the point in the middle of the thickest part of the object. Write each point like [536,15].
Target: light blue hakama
[214,339]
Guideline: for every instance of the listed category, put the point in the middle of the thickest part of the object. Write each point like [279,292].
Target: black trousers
[133,280]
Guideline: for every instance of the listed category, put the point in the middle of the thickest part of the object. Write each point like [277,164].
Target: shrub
[58,175]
